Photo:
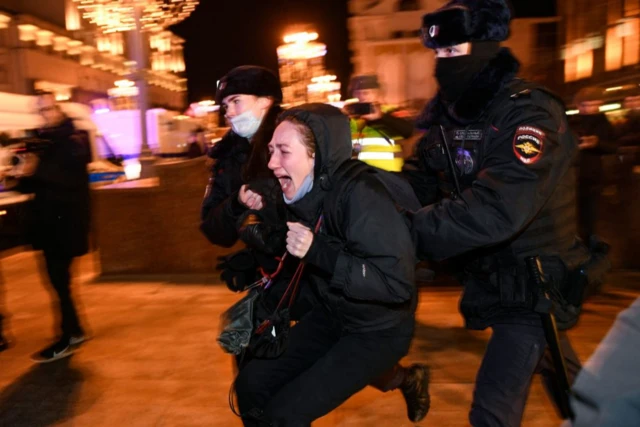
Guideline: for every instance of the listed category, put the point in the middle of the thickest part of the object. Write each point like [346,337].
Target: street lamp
[135,17]
[300,59]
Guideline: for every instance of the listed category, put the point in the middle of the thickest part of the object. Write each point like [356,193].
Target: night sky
[222,34]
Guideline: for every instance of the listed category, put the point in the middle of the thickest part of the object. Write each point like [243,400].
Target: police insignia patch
[464,161]
[528,144]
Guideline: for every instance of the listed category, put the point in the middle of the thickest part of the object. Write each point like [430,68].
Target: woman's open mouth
[285,183]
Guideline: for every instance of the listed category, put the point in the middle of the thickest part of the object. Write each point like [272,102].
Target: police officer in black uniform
[250,97]
[494,175]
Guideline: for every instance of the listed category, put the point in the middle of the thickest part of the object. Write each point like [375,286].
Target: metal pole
[139,57]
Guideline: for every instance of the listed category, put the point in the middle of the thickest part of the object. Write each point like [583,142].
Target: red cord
[293,284]
[278,269]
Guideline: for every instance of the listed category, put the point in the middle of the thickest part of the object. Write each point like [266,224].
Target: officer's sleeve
[396,125]
[220,213]
[423,181]
[524,159]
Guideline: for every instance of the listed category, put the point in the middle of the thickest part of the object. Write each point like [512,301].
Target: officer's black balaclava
[456,74]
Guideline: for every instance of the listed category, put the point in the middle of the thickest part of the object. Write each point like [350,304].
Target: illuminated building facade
[384,39]
[323,89]
[48,45]
[601,44]
[300,60]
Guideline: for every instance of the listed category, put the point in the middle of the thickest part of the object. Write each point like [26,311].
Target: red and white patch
[528,144]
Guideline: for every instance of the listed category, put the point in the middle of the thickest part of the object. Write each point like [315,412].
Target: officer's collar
[475,100]
[230,144]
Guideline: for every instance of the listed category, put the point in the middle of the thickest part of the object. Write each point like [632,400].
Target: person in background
[597,138]
[629,130]
[58,178]
[377,133]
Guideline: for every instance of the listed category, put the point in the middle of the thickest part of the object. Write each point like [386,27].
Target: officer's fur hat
[462,21]
[249,80]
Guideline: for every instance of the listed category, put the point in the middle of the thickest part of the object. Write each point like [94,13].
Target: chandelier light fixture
[301,45]
[118,15]
[135,17]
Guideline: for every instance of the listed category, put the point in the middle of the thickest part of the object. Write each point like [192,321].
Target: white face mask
[306,186]
[246,124]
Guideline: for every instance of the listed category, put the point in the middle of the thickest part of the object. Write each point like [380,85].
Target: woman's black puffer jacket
[367,279]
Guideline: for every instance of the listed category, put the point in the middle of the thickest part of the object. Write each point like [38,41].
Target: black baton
[544,307]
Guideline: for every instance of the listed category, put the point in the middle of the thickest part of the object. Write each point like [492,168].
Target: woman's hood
[333,137]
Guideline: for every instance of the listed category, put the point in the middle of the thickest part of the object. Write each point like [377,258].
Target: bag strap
[292,289]
[296,278]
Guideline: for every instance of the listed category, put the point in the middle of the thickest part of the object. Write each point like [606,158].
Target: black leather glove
[239,270]
[260,235]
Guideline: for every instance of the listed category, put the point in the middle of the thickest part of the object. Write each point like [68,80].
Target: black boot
[415,389]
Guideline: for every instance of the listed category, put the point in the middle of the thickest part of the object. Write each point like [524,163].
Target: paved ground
[154,360]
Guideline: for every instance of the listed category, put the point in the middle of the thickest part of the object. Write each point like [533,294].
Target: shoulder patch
[528,144]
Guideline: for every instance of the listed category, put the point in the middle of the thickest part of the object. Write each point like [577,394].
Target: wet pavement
[154,360]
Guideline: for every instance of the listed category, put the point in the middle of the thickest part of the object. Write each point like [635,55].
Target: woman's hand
[250,199]
[299,239]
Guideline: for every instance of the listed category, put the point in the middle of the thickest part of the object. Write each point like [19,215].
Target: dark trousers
[513,355]
[322,367]
[58,269]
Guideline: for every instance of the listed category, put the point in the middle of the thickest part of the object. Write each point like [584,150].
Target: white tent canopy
[17,113]
[14,123]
